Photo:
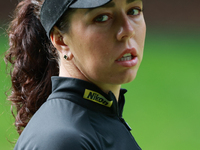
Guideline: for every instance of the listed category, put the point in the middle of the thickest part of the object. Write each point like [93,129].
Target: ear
[60,44]
[57,40]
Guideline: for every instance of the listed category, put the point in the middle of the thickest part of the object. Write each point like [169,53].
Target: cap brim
[88,3]
[52,10]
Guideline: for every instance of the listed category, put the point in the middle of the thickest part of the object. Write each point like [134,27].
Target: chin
[131,75]
[130,79]
[127,78]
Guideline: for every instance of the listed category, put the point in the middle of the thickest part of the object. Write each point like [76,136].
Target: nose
[126,28]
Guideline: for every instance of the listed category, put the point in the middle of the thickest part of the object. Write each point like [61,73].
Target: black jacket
[78,116]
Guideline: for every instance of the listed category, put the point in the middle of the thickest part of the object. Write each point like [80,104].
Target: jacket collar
[87,95]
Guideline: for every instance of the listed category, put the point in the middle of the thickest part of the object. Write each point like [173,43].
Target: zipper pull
[125,123]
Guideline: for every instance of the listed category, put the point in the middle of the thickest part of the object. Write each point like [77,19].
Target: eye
[101,18]
[134,11]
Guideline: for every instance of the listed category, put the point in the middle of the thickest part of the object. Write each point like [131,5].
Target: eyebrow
[130,1]
[109,5]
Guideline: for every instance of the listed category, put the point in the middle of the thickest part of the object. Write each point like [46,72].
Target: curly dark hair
[33,61]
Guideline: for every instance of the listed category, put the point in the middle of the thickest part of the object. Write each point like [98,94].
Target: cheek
[91,39]
[140,38]
[89,51]
[141,34]
[95,45]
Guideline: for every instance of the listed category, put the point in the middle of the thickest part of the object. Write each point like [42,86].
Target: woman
[90,47]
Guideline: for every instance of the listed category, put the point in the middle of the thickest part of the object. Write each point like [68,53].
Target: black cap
[52,10]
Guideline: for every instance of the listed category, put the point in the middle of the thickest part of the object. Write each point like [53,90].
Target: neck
[115,89]
[70,70]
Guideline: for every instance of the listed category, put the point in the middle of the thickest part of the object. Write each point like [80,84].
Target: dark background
[181,13]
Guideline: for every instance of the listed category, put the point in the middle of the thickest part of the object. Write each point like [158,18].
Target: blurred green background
[162,105]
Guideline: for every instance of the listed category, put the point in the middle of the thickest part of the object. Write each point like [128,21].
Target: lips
[128,58]
[127,55]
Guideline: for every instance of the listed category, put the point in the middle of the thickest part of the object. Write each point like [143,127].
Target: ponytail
[33,61]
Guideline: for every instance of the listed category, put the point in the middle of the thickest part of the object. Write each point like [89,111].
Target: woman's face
[107,42]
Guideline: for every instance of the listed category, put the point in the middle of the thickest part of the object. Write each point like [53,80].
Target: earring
[60,38]
[65,56]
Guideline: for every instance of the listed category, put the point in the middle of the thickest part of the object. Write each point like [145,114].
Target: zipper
[125,123]
[119,112]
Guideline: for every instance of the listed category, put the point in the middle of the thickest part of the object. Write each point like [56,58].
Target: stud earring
[65,56]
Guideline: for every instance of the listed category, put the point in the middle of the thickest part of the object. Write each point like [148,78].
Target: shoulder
[58,124]
[55,140]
